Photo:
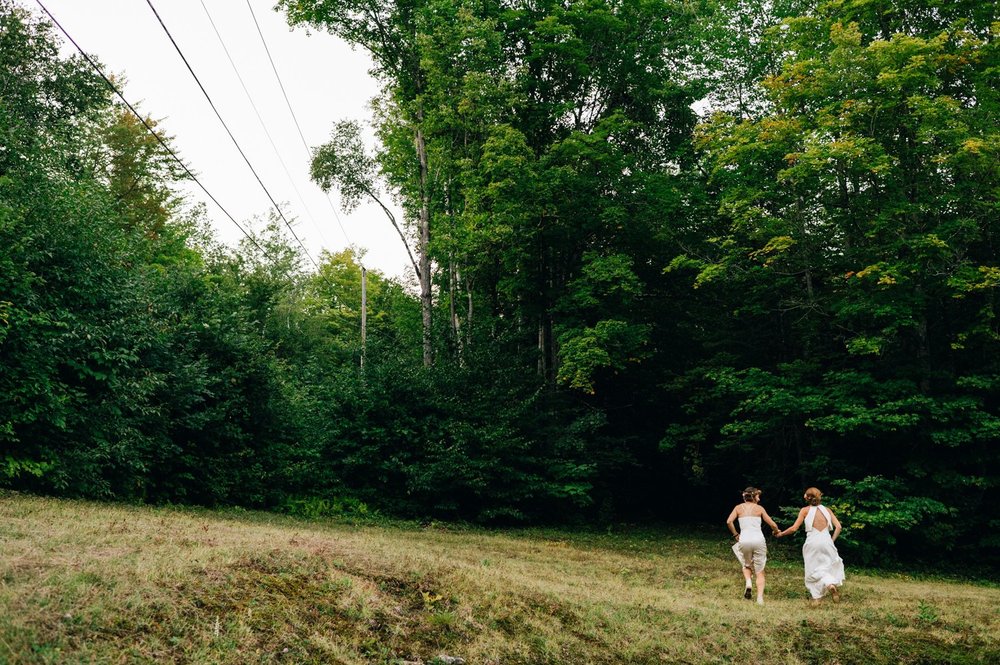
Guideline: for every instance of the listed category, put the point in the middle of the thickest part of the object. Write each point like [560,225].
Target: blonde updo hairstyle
[813,496]
[750,493]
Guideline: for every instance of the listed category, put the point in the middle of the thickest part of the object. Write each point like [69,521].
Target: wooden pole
[364,313]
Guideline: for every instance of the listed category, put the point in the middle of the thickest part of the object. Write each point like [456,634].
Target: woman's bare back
[819,519]
[748,509]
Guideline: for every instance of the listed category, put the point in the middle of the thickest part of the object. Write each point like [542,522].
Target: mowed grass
[96,583]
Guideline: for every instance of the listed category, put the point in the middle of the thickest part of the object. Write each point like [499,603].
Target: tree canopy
[664,249]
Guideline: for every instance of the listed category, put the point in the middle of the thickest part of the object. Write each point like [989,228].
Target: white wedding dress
[823,564]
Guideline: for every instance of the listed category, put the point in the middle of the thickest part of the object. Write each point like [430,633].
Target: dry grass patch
[86,582]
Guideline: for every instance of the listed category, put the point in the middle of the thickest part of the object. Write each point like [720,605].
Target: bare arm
[769,521]
[836,526]
[794,527]
[729,523]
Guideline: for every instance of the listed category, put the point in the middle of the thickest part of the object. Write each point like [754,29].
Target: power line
[275,70]
[233,138]
[148,127]
[298,127]
[263,125]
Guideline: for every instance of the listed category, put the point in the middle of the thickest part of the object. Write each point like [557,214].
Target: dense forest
[661,249]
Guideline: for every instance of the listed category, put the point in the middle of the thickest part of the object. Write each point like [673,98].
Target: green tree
[853,246]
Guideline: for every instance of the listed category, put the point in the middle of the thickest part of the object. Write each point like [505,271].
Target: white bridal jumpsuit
[751,549]
[823,564]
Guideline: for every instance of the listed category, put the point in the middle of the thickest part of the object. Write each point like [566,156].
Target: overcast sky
[325,80]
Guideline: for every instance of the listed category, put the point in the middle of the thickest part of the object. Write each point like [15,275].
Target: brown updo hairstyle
[750,492]
[813,496]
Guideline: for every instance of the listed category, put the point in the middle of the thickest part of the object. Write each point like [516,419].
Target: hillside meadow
[87,582]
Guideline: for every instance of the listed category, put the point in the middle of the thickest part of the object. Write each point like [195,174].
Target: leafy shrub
[313,507]
[876,512]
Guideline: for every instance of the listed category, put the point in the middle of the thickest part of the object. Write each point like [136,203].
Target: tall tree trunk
[456,323]
[546,366]
[423,242]
[553,350]
[543,367]
[468,314]
[800,466]
[542,342]
[923,342]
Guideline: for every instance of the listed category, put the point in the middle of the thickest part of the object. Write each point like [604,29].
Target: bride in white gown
[824,567]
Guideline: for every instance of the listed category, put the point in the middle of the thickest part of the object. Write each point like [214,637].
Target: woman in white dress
[824,567]
[750,547]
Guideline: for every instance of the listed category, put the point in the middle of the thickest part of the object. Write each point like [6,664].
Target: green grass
[86,582]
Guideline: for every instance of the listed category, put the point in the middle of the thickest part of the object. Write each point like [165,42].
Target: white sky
[325,80]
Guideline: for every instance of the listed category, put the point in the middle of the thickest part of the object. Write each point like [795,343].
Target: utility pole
[364,312]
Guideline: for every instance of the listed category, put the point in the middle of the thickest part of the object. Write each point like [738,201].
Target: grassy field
[96,583]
